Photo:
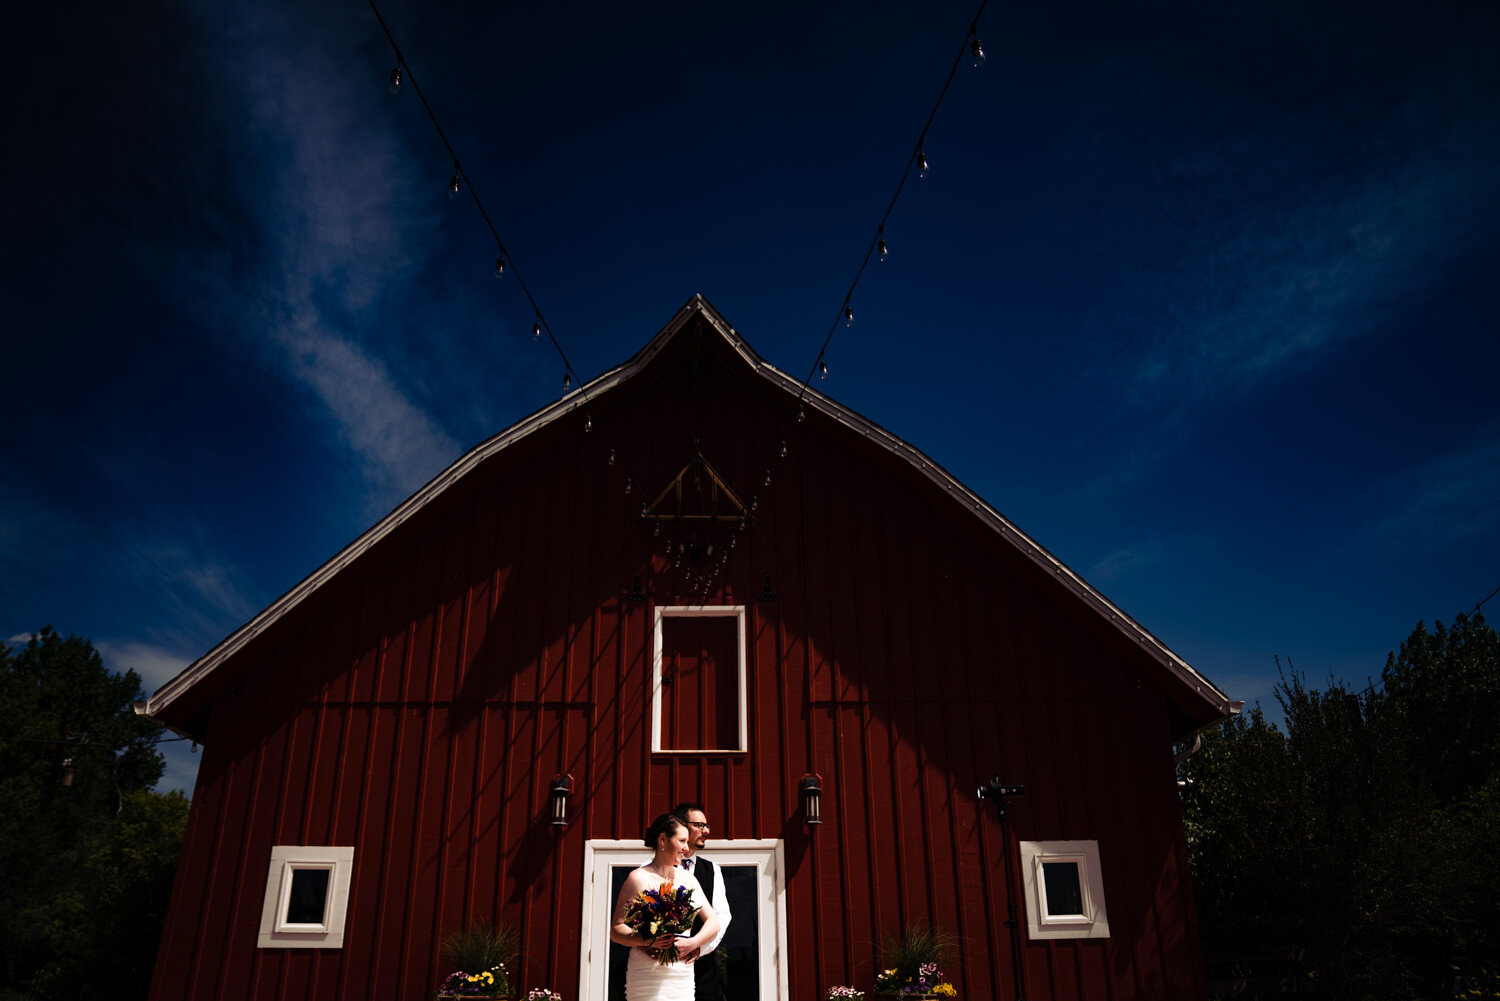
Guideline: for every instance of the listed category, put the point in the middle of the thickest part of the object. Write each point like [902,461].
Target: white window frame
[738,612]
[1093,922]
[278,933]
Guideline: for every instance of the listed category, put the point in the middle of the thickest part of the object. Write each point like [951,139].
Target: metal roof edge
[582,397]
[1003,526]
[567,404]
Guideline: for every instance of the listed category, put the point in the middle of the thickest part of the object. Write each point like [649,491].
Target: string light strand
[505,260]
[877,242]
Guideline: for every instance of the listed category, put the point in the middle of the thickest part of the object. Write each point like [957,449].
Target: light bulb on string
[822,369]
[922,168]
[588,423]
[627,485]
[766,480]
[733,540]
[656,530]
[976,52]
[885,251]
[536,331]
[453,183]
[611,460]
[643,510]
[848,315]
[782,449]
[801,414]
[754,502]
[395,80]
[743,523]
[567,381]
[500,266]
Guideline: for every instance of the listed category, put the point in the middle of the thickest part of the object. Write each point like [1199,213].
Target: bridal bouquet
[656,912]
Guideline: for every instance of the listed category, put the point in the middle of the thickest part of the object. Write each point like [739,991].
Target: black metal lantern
[562,788]
[812,794]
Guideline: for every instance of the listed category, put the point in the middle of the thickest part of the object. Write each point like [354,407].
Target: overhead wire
[917,157]
[570,374]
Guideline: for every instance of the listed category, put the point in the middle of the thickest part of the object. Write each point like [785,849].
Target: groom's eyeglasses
[702,827]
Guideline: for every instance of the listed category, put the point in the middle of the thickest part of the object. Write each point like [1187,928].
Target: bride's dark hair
[667,824]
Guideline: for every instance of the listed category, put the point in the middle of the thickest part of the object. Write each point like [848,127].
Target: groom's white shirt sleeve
[720,905]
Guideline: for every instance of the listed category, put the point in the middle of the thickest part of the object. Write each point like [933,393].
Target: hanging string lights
[401,76]
[973,48]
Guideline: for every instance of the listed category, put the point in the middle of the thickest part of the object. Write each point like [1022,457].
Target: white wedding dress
[648,980]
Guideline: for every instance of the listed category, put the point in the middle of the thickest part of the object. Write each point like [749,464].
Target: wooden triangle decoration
[697,493]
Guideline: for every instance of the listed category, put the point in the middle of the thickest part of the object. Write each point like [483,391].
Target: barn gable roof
[697,307]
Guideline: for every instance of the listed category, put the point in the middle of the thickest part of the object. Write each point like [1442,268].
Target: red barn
[689,579]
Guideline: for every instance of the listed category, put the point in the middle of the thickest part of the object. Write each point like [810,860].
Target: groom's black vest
[707,984]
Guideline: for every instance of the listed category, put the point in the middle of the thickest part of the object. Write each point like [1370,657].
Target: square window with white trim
[698,679]
[307,897]
[1064,889]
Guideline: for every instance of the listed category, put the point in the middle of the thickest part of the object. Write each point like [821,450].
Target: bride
[645,978]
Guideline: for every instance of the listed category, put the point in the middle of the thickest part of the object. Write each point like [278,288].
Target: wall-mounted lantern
[812,794]
[562,788]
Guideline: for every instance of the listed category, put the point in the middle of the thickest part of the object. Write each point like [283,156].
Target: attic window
[307,897]
[1064,889]
[698,679]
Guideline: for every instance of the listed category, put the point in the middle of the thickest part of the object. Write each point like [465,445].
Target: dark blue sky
[1203,297]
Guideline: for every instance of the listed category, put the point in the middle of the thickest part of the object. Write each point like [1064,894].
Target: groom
[707,984]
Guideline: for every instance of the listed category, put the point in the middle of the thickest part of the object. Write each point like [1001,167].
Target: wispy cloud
[1446,500]
[1122,562]
[324,239]
[1293,279]
[155,664]
[194,593]
[336,211]
[197,596]
[1271,243]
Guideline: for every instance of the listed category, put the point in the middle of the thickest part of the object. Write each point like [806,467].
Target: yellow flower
[947,990]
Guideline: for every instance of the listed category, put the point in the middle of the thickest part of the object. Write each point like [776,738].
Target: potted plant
[912,963]
[481,951]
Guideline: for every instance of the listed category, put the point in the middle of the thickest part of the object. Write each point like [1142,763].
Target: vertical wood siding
[418,707]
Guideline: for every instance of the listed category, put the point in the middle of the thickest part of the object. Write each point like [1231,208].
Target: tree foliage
[1358,850]
[87,851]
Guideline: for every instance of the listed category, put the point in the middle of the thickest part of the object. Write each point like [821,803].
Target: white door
[753,947]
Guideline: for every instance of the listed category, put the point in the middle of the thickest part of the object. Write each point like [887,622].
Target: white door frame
[769,859]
